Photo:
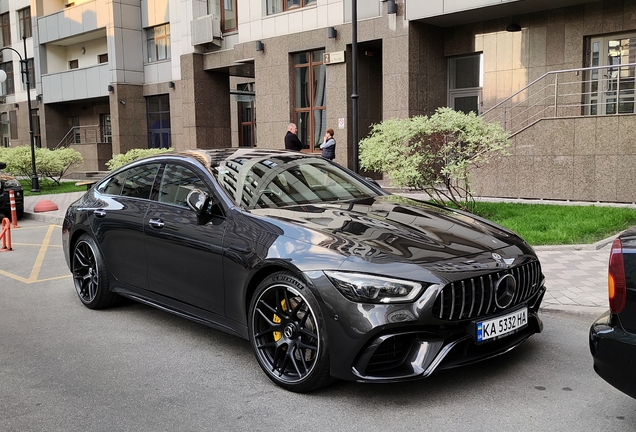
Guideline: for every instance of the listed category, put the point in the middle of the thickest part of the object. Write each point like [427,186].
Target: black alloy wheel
[288,335]
[89,275]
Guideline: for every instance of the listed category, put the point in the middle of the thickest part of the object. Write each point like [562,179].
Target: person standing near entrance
[328,145]
[291,139]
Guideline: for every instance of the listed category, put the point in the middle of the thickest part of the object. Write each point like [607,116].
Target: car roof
[216,156]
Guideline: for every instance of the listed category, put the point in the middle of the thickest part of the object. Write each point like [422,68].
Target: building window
[465,82]
[158,43]
[7,86]
[4,129]
[277,6]
[610,87]
[227,14]
[310,111]
[104,128]
[24,22]
[73,64]
[31,72]
[245,97]
[102,58]
[75,125]
[158,109]
[5,33]
[37,133]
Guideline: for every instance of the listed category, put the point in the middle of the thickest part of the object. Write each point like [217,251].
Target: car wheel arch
[259,276]
[75,237]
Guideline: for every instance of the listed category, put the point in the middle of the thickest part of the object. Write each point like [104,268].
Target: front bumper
[400,342]
[614,353]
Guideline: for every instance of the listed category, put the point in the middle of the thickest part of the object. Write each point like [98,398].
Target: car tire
[288,335]
[90,276]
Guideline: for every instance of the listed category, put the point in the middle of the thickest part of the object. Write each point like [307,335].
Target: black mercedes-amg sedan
[613,334]
[327,275]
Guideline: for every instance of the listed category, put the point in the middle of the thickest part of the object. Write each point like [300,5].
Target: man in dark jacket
[291,139]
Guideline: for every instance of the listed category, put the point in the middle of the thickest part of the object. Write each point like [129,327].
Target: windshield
[278,181]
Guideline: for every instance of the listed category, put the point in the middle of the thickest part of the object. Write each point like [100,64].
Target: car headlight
[11,183]
[374,289]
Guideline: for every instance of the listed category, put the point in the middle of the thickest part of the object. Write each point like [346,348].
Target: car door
[117,223]
[184,258]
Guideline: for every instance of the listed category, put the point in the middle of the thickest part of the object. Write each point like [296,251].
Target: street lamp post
[354,81]
[24,70]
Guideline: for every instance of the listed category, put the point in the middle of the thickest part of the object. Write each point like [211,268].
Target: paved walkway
[576,276]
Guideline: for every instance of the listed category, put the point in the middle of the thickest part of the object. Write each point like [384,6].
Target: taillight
[616,285]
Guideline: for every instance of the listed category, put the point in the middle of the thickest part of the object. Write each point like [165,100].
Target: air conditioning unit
[206,29]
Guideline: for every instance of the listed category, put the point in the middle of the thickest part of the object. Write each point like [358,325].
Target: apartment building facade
[112,75]
[16,61]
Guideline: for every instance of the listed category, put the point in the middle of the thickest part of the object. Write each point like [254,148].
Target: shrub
[122,159]
[51,164]
[434,154]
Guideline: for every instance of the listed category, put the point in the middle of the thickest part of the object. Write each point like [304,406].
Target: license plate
[503,325]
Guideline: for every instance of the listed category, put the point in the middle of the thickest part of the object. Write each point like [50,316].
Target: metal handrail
[80,135]
[555,94]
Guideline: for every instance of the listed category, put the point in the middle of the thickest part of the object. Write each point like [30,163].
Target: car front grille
[475,297]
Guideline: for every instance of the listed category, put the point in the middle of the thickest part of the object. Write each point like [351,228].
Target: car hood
[393,227]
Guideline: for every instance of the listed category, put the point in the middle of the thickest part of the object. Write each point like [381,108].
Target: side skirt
[185,311]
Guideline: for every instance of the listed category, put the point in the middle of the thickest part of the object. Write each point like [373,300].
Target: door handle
[156,223]
[99,213]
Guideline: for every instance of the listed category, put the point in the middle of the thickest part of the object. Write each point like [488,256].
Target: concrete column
[205,114]
[128,118]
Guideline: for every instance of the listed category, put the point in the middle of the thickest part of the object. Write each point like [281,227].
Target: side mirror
[198,201]
[2,165]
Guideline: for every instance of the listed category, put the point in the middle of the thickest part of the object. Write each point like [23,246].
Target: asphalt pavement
[576,275]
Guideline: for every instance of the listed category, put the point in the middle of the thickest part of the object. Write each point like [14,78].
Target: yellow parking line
[14,276]
[35,244]
[37,266]
[35,272]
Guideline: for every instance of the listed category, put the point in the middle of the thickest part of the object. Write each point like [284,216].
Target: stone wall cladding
[575,159]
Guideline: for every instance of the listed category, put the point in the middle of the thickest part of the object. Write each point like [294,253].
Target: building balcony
[68,21]
[445,13]
[76,84]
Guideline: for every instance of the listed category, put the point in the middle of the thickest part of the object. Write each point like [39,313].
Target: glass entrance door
[610,88]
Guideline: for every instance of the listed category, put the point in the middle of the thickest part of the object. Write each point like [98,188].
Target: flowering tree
[434,154]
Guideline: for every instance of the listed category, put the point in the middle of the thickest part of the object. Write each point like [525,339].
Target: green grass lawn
[50,187]
[547,224]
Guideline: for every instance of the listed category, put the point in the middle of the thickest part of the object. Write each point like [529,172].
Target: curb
[574,309]
[52,219]
[594,246]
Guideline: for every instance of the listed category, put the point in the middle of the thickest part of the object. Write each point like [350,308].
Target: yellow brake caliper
[276,319]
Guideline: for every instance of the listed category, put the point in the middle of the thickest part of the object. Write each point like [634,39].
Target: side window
[113,185]
[176,183]
[139,180]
